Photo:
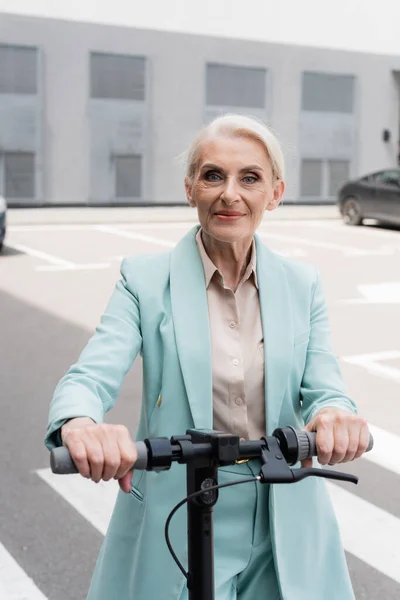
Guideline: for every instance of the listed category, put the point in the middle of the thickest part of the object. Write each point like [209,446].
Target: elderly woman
[233,337]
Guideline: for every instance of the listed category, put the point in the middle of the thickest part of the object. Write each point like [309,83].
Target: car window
[388,177]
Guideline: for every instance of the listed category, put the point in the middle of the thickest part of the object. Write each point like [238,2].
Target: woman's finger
[353,435]
[95,456]
[128,454]
[363,440]
[324,439]
[125,482]
[341,441]
[78,452]
[112,455]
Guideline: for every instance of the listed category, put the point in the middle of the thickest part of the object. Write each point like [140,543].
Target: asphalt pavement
[57,272]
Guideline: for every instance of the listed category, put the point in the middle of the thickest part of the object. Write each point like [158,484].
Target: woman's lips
[229,216]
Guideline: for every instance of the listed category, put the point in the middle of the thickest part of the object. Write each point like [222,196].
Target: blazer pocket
[135,488]
[155,407]
[302,338]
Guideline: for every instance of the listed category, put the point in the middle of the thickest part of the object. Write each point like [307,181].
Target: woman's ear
[188,189]
[279,190]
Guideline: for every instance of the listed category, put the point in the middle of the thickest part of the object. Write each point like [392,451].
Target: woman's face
[232,187]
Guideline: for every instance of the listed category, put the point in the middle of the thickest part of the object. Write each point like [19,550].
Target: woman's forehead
[233,152]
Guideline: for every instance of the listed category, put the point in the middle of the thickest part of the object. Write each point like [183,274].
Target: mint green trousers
[244,566]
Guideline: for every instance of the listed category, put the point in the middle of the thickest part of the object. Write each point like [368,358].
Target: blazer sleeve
[92,384]
[322,383]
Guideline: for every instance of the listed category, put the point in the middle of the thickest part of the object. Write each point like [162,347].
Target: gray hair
[237,126]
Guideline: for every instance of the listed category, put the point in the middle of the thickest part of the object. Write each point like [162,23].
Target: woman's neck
[230,258]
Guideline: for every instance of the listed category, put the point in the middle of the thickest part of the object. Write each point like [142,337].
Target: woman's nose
[230,193]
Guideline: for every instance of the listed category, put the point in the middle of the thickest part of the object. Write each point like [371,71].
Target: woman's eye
[212,176]
[250,179]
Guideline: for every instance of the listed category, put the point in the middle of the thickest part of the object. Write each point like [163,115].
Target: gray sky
[365,25]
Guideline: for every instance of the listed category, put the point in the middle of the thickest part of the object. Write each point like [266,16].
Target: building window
[128,176]
[311,179]
[19,175]
[18,70]
[338,174]
[322,179]
[235,86]
[117,77]
[327,93]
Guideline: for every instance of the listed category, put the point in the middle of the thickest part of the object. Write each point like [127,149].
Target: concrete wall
[176,99]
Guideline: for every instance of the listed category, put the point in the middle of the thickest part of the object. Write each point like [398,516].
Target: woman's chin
[229,232]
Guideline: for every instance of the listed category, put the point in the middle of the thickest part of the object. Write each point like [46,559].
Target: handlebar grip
[307,441]
[61,462]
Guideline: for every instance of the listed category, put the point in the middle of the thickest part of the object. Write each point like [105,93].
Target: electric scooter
[203,452]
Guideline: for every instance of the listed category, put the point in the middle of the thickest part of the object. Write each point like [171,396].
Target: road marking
[76,267]
[54,260]
[377,293]
[367,230]
[56,263]
[346,250]
[14,582]
[294,253]
[136,236]
[94,501]
[96,226]
[146,225]
[373,363]
[42,228]
[368,532]
[386,450]
[158,225]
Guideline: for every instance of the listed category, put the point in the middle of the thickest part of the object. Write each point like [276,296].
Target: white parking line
[136,236]
[366,231]
[55,227]
[157,225]
[377,293]
[94,501]
[56,263]
[386,450]
[76,267]
[292,253]
[368,532]
[14,582]
[373,363]
[96,227]
[346,250]
[54,260]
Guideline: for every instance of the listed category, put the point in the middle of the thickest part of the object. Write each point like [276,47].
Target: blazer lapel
[276,315]
[192,330]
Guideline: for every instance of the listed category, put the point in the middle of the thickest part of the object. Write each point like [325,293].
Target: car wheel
[352,213]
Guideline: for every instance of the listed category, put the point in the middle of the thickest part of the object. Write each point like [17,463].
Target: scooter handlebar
[61,462]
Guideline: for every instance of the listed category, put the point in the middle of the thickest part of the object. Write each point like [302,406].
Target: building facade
[100,115]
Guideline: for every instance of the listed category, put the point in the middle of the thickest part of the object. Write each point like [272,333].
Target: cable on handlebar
[184,501]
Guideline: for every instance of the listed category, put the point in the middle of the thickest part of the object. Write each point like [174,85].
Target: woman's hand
[341,436]
[100,451]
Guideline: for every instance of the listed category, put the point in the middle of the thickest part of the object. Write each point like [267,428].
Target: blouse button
[232,324]
[239,401]
[235,362]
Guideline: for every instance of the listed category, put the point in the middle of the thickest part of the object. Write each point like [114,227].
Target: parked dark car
[3,210]
[375,196]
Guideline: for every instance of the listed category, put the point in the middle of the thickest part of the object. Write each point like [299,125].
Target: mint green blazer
[159,310]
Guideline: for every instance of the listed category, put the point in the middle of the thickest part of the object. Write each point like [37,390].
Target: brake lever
[275,469]
[299,474]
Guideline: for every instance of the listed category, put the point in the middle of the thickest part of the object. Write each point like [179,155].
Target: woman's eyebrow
[243,170]
[251,168]
[211,166]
